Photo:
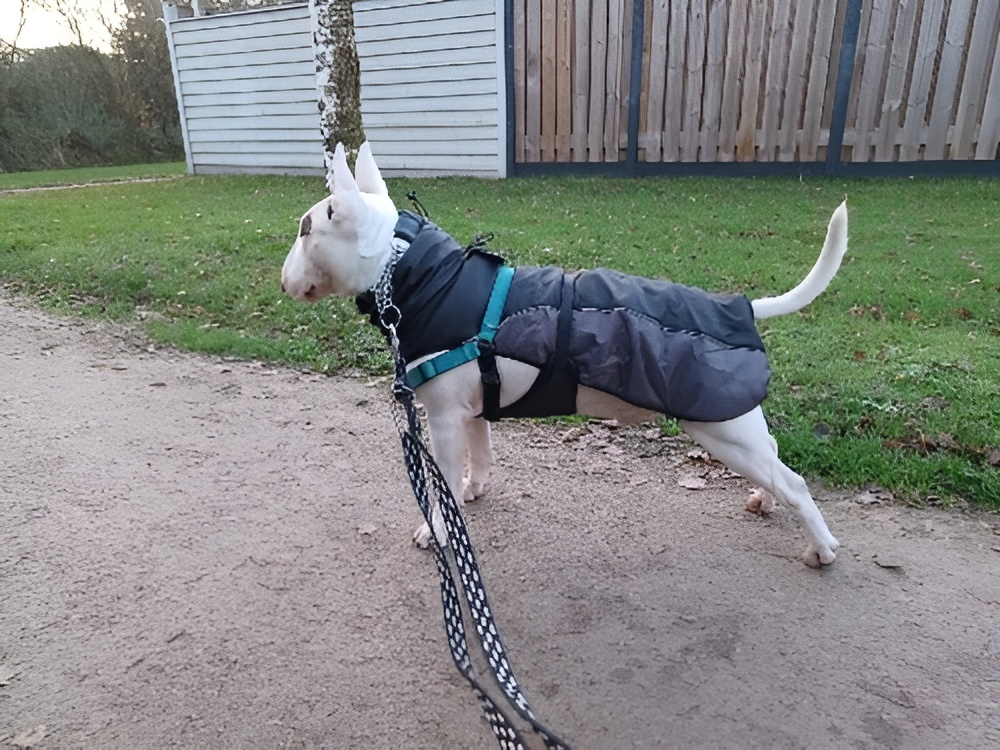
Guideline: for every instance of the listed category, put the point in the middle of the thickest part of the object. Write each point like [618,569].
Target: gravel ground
[202,553]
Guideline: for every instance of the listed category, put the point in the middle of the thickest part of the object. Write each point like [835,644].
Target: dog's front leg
[480,458]
[448,444]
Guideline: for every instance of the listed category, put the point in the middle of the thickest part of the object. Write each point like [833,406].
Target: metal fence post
[635,86]
[842,93]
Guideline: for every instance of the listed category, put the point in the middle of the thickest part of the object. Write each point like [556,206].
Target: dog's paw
[819,555]
[422,536]
[760,502]
[472,490]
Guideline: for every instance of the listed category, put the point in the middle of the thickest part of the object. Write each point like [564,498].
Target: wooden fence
[756,80]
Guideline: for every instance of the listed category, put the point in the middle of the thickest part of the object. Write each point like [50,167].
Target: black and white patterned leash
[489,672]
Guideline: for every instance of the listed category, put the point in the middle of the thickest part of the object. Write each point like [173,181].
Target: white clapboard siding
[247,91]
[431,89]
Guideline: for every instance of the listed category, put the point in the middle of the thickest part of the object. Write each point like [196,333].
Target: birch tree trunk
[338,74]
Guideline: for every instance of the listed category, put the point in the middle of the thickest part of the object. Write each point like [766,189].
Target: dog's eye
[306,226]
[329,210]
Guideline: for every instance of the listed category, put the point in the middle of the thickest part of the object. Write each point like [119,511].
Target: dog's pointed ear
[343,182]
[366,172]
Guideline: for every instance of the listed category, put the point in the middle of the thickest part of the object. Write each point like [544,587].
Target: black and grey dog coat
[661,346]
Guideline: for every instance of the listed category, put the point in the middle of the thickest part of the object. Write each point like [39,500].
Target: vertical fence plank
[715,58]
[732,84]
[647,52]
[949,68]
[871,80]
[694,81]
[613,91]
[915,117]
[859,65]
[533,81]
[982,46]
[817,94]
[548,76]
[896,79]
[774,80]
[656,79]
[621,122]
[598,80]
[581,77]
[673,102]
[520,100]
[563,82]
[989,131]
[746,135]
[801,32]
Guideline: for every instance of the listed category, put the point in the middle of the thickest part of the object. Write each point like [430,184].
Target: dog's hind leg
[745,446]
[480,457]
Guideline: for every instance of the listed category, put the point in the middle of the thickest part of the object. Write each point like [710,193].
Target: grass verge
[890,378]
[88,175]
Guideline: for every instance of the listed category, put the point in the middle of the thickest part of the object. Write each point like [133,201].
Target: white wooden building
[432,87]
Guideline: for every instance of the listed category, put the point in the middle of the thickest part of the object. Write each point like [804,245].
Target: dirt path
[198,553]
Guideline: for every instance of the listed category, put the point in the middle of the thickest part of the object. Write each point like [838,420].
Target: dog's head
[344,239]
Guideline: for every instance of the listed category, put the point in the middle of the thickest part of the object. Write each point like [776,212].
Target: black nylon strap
[490,376]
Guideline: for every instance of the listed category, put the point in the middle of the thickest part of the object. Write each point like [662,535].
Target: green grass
[890,378]
[88,175]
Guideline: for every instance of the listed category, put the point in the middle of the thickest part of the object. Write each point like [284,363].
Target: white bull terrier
[347,241]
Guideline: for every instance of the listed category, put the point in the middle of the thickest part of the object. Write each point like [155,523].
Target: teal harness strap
[469,351]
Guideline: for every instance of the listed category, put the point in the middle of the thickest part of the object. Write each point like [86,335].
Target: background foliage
[74,106]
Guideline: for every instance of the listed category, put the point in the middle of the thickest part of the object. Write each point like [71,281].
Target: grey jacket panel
[665,347]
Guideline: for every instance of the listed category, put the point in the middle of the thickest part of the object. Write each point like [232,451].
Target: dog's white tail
[818,278]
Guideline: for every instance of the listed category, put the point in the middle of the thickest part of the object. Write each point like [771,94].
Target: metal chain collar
[517,730]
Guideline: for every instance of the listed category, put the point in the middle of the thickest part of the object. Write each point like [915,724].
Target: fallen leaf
[573,434]
[895,567]
[865,423]
[698,455]
[876,496]
[692,483]
[29,737]
[8,675]
[157,385]
[822,430]
[935,403]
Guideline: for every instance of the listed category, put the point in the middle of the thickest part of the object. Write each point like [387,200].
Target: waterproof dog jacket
[662,346]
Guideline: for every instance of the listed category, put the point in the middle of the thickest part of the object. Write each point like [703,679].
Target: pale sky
[46,29]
